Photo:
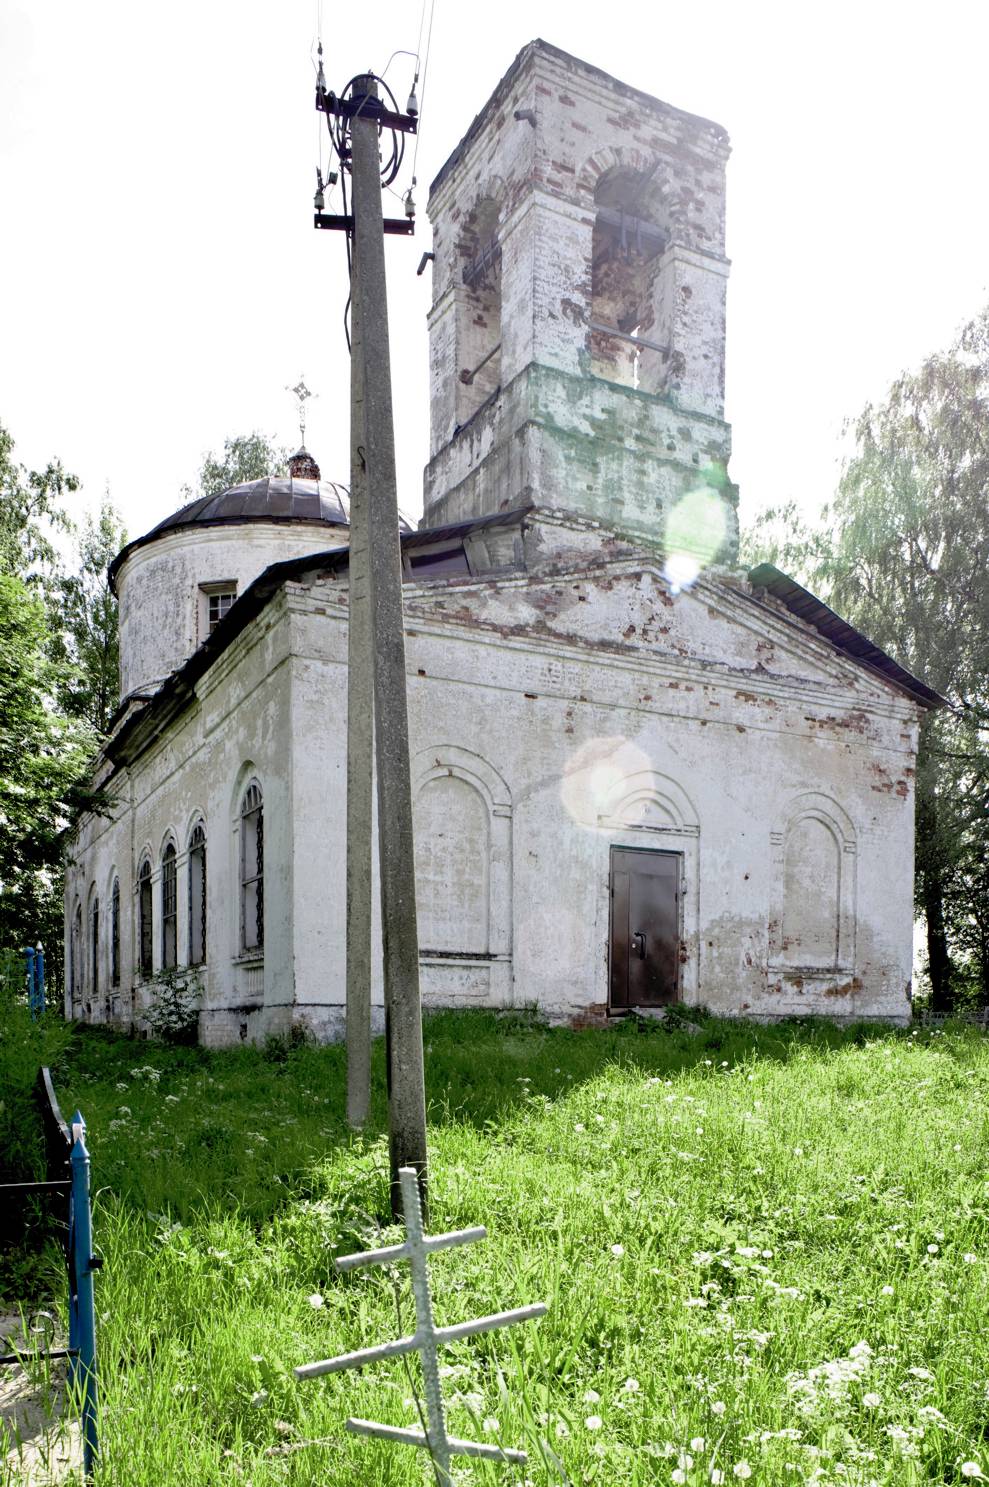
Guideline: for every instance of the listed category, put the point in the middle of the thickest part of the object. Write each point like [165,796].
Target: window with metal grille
[94,946]
[169,908]
[252,869]
[218,606]
[115,933]
[144,919]
[197,895]
[75,953]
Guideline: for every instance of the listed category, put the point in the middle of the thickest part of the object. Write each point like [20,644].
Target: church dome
[275,498]
[176,583]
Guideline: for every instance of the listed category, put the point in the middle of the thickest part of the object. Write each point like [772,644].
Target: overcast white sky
[162,282]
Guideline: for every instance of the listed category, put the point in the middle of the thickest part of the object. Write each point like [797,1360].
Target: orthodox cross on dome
[301,394]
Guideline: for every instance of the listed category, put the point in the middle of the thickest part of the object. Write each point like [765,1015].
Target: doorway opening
[645,928]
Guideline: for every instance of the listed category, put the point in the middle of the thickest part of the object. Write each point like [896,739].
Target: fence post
[29,965]
[82,1263]
[39,978]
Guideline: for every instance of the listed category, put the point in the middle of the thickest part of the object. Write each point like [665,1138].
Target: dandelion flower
[678,1475]
[594,1422]
[617,1250]
[742,1470]
[592,1396]
[315,1301]
[932,1249]
[631,1386]
[972,1469]
[697,1444]
[490,1425]
[886,1291]
[717,1475]
[562,1430]
[718,1407]
[580,1127]
[872,1400]
[969,1259]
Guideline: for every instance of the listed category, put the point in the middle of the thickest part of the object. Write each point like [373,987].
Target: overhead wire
[425,72]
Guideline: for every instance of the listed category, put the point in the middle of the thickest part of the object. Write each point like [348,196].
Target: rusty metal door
[645,927]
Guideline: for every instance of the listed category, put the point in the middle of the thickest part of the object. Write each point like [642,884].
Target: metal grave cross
[426,1339]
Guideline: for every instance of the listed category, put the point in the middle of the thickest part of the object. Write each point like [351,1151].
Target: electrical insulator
[319,200]
[410,206]
[412,107]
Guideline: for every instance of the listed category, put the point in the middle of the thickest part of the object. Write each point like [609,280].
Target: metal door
[645,927]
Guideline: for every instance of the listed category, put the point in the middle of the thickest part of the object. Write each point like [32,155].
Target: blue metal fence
[67,1174]
[34,958]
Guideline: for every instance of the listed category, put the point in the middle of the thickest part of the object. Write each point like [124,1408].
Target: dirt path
[38,1447]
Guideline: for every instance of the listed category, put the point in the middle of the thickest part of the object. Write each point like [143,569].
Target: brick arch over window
[635,219]
[463,823]
[812,923]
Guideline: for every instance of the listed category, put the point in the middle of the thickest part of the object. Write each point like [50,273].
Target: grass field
[764,1251]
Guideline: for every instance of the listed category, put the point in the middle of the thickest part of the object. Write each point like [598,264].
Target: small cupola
[302,466]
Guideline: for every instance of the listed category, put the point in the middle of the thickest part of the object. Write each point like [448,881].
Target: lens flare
[696,528]
[593,776]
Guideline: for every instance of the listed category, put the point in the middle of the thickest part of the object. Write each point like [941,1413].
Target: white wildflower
[315,1301]
[591,1396]
[617,1250]
[594,1422]
[490,1425]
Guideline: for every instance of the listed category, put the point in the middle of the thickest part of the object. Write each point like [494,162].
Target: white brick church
[641,774]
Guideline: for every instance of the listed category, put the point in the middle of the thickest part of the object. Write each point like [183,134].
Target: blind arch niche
[463,835]
[812,926]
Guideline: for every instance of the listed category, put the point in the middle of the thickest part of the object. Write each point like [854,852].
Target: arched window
[75,955]
[115,933]
[94,946]
[145,928]
[479,310]
[252,869]
[169,908]
[197,895]
[628,244]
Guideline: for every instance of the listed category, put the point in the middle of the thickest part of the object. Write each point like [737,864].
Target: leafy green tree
[88,624]
[903,552]
[30,512]
[43,756]
[245,457]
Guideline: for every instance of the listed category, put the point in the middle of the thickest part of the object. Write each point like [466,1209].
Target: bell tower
[577,331]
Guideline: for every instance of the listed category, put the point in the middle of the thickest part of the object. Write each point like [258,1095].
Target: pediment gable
[630,608]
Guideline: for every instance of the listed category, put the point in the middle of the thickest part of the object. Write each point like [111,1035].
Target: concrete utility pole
[400,939]
[360,747]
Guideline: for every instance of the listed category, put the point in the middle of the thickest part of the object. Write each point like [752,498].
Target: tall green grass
[764,1251]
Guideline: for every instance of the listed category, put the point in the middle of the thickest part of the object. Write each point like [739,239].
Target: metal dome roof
[274,498]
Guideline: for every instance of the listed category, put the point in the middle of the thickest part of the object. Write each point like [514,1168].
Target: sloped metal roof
[806,606]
